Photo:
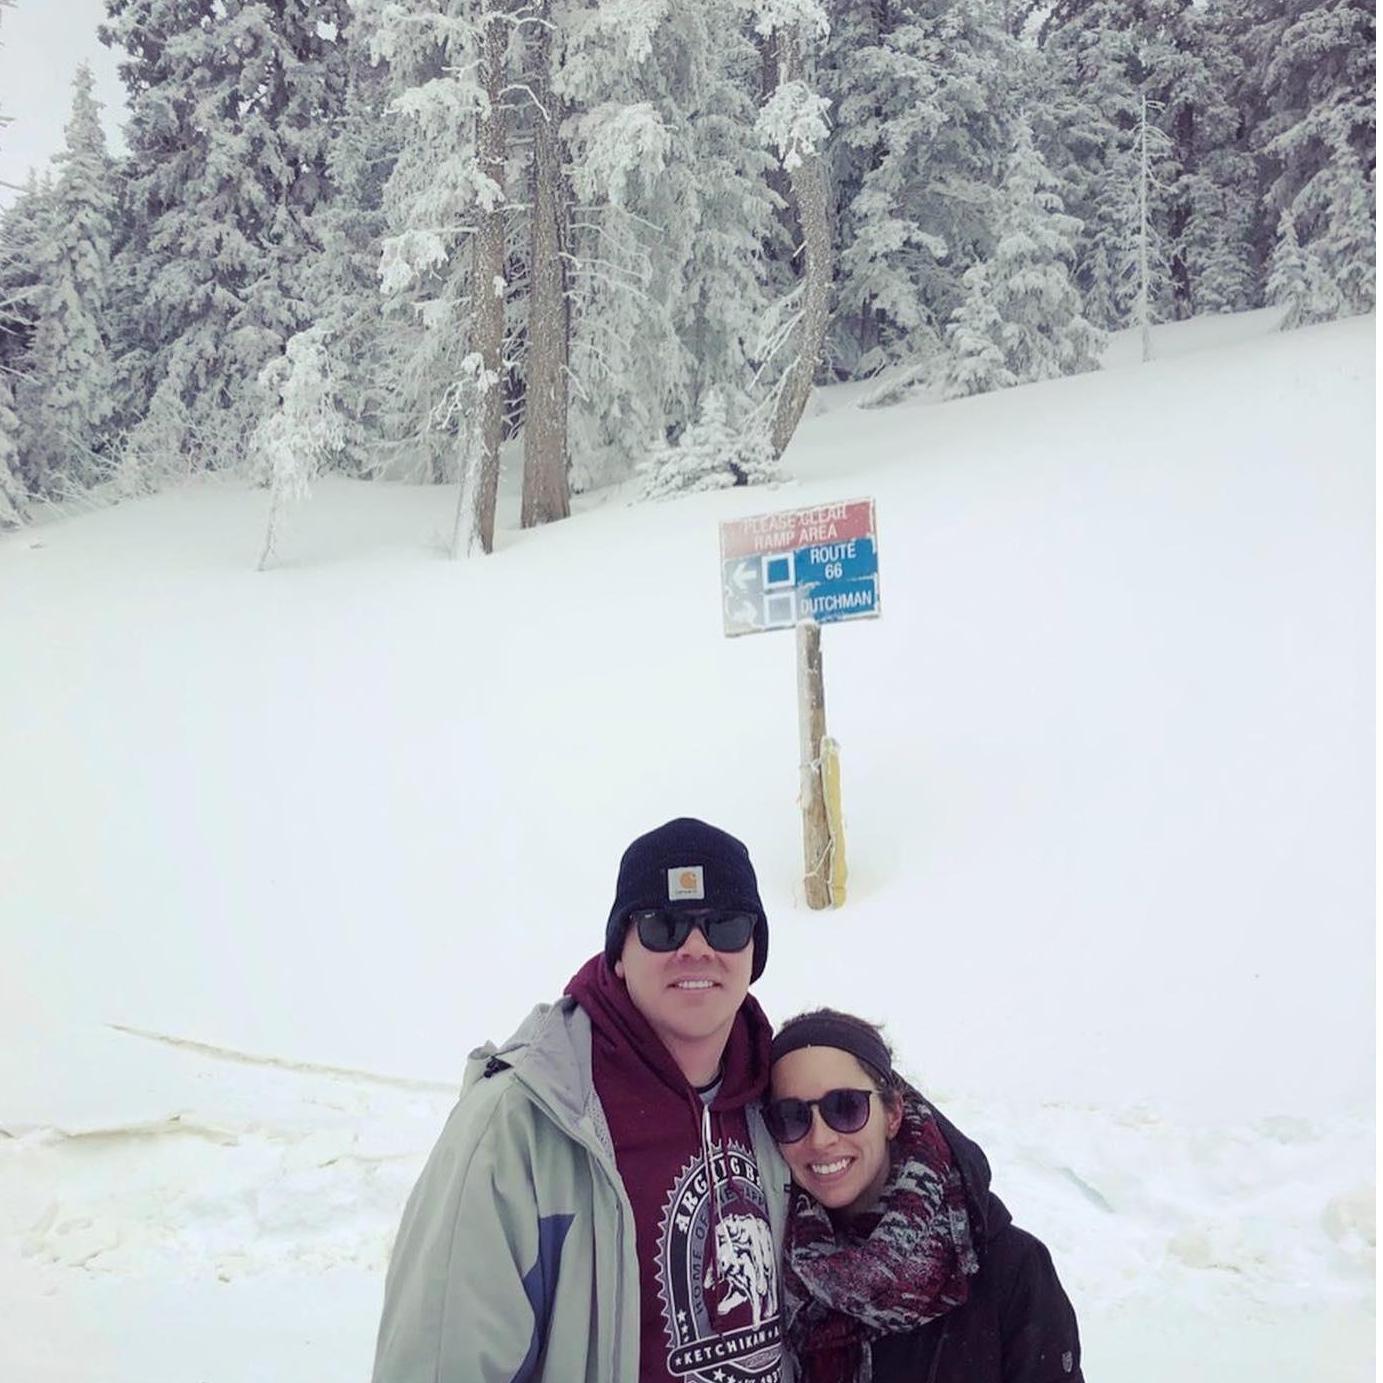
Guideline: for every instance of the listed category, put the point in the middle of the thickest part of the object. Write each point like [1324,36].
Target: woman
[900,1265]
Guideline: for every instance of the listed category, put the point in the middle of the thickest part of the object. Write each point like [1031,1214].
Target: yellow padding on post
[835,818]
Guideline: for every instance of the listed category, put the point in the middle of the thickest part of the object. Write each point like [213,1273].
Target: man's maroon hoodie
[708,1280]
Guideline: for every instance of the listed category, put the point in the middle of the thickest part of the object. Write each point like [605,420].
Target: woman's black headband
[827,1030]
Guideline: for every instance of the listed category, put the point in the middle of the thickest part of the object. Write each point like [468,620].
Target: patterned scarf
[892,1269]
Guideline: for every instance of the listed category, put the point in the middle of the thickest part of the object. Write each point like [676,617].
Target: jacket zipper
[940,1345]
[596,1149]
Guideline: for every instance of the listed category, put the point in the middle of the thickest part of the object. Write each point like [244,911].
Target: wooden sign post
[802,569]
[811,723]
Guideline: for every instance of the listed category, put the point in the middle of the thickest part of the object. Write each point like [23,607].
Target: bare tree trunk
[1144,309]
[1179,216]
[11,488]
[810,186]
[271,533]
[487,279]
[546,495]
[811,725]
[769,46]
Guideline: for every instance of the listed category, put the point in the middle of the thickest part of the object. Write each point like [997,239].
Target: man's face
[690,995]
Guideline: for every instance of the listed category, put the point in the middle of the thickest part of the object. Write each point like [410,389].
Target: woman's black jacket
[1016,1327]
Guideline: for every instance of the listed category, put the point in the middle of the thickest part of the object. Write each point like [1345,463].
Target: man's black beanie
[686,864]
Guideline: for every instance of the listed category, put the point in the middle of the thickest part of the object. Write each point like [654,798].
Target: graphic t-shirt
[710,1311]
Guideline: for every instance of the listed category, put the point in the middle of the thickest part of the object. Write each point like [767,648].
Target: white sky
[41,44]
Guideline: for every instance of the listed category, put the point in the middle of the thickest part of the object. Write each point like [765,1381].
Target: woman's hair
[829,1027]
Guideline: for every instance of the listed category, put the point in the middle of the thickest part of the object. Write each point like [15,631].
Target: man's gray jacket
[515,1261]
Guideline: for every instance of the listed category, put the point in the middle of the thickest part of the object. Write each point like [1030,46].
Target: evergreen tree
[1127,256]
[444,252]
[66,395]
[922,93]
[713,453]
[719,174]
[302,430]
[1022,319]
[231,102]
[668,275]
[24,235]
[343,296]
[1311,90]
[1108,57]
[627,367]
[1299,282]
[12,496]
[793,122]
[1214,200]
[5,119]
[977,363]
[4,5]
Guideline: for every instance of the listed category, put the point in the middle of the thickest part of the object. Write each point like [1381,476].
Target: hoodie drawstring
[713,1188]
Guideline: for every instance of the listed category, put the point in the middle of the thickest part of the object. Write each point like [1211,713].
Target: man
[605,1203]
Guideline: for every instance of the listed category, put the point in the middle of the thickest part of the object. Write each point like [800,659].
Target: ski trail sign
[818,565]
[800,569]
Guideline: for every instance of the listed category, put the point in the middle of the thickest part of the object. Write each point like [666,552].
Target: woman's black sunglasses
[661,929]
[846,1111]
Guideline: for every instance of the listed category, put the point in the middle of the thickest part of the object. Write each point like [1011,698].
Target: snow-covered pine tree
[713,453]
[231,105]
[4,5]
[720,175]
[668,275]
[303,428]
[1299,282]
[1309,97]
[1022,304]
[66,393]
[299,74]
[1129,269]
[922,92]
[1083,129]
[24,234]
[1105,57]
[342,288]
[697,460]
[444,253]
[12,496]
[1345,243]
[1143,256]
[1213,203]
[976,363]
[793,123]
[5,118]
[628,370]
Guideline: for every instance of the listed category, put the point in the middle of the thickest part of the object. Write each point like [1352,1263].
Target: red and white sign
[796,528]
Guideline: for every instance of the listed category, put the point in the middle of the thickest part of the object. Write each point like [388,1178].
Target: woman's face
[844,1171]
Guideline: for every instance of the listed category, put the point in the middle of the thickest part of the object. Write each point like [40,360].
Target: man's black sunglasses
[846,1111]
[662,929]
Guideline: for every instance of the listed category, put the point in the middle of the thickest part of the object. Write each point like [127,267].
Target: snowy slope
[1110,800]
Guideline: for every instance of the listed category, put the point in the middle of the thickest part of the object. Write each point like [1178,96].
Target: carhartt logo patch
[1068,1362]
[686,881]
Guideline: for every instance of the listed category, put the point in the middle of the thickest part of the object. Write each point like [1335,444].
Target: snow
[280,847]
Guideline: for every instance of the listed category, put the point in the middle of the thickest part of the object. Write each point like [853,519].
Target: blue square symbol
[779,571]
